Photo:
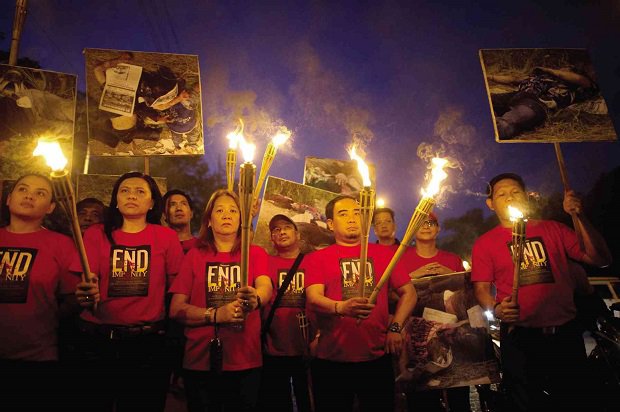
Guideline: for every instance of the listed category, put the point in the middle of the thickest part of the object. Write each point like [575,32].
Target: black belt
[548,330]
[122,331]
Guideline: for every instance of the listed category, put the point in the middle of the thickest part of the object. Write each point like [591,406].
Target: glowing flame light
[280,138]
[233,140]
[437,176]
[466,265]
[380,202]
[247,149]
[361,166]
[514,213]
[52,153]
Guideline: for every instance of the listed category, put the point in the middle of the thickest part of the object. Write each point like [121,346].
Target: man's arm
[505,78]
[406,303]
[506,311]
[354,307]
[404,307]
[596,252]
[568,76]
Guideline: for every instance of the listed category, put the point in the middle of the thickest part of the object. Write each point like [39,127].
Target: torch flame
[437,176]
[361,166]
[280,138]
[466,265]
[233,140]
[247,149]
[514,213]
[52,153]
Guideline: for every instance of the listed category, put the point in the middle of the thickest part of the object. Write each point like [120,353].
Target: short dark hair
[172,192]
[89,201]
[502,176]
[382,210]
[329,209]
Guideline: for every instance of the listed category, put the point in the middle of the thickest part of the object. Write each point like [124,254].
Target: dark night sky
[390,69]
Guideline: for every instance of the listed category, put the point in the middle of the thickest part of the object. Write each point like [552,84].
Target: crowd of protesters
[162,307]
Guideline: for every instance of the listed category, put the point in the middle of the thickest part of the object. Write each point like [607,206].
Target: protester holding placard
[542,349]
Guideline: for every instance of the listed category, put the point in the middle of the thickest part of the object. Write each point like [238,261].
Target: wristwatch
[394,327]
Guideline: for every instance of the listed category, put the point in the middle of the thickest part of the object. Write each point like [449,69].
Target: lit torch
[420,214]
[367,207]
[466,266]
[63,191]
[231,155]
[270,154]
[518,243]
[247,173]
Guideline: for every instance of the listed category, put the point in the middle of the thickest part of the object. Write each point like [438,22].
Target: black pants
[431,400]
[337,383]
[32,386]
[545,371]
[125,374]
[227,391]
[275,392]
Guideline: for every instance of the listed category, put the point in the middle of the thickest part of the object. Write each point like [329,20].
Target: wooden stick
[147,165]
[561,165]
[18,25]
[564,176]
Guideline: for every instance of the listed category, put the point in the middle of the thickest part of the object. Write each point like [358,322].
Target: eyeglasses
[429,223]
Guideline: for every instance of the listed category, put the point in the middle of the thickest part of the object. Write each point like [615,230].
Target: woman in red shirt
[208,299]
[134,260]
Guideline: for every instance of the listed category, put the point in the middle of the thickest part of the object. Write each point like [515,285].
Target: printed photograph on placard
[305,206]
[143,104]
[34,104]
[337,176]
[447,340]
[545,95]
[100,187]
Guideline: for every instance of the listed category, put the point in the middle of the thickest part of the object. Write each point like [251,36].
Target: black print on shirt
[15,268]
[221,282]
[535,266]
[350,269]
[130,269]
[294,296]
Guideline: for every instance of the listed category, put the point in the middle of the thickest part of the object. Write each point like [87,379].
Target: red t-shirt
[34,271]
[133,274]
[284,337]
[546,287]
[411,261]
[212,280]
[188,244]
[337,267]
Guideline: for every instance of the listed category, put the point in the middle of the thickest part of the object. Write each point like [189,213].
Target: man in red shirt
[355,342]
[542,350]
[178,214]
[384,226]
[90,212]
[284,348]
